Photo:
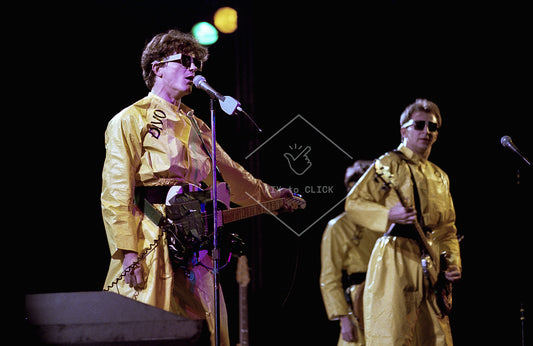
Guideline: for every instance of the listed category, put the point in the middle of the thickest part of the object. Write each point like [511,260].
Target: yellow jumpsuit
[152,143]
[398,307]
[345,246]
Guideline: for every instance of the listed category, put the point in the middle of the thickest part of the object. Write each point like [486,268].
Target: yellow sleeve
[123,153]
[365,203]
[333,249]
[243,185]
[445,234]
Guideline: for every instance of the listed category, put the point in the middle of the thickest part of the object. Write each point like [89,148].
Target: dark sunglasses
[183,59]
[419,125]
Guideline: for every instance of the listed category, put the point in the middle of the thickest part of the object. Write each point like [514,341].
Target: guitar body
[441,286]
[223,194]
[443,289]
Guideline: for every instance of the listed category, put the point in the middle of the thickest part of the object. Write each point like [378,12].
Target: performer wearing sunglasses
[400,305]
[152,145]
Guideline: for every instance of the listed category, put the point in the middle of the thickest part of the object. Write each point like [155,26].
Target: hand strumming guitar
[402,215]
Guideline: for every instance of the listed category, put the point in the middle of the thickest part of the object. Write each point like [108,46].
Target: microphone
[228,104]
[200,82]
[508,143]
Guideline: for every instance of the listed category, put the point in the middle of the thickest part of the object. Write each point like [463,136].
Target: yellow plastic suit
[345,246]
[152,143]
[399,309]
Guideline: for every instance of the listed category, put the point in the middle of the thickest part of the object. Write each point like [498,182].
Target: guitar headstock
[243,273]
[384,173]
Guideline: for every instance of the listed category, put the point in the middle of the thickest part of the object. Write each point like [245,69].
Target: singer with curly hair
[152,146]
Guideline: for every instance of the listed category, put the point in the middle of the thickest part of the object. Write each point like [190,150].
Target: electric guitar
[188,218]
[239,213]
[243,278]
[432,265]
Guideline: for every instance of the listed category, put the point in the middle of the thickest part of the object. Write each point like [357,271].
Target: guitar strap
[417,199]
[416,196]
[204,146]
[148,209]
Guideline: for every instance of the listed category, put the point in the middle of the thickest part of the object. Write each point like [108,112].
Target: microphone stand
[216,250]
[229,105]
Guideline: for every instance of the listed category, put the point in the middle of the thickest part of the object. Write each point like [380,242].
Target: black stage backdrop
[333,78]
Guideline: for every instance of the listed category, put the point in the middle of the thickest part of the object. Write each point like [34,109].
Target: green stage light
[205,33]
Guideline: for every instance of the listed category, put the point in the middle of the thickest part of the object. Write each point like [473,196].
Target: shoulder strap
[204,146]
[417,199]
[415,188]
[149,210]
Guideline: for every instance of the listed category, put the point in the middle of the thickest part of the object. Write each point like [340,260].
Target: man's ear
[156,69]
[403,132]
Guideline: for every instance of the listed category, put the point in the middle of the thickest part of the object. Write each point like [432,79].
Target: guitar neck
[243,278]
[243,315]
[239,213]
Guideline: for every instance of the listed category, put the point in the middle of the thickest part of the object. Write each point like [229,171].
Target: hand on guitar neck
[402,215]
[286,208]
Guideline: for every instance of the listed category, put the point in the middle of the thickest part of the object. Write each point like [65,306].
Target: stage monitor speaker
[104,318]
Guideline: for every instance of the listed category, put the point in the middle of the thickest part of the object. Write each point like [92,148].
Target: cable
[293,280]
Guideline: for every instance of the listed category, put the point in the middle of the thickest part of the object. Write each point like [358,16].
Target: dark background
[349,69]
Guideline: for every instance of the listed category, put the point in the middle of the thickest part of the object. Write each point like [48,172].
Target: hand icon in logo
[300,163]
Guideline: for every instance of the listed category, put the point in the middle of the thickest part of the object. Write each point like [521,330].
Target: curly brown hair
[166,44]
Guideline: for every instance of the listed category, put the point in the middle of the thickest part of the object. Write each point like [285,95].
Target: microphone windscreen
[197,80]
[506,141]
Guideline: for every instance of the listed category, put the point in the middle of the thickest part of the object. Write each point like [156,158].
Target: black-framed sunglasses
[184,59]
[419,125]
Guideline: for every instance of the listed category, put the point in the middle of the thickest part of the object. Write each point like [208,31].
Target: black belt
[158,194]
[153,194]
[146,196]
[404,231]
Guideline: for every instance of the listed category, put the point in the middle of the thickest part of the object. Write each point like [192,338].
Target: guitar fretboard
[240,213]
[243,315]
